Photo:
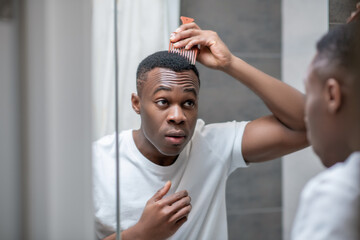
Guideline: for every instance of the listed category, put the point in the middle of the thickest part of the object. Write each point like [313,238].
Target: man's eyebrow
[162,88]
[191,90]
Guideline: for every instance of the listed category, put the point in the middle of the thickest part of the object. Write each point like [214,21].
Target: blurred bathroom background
[57,96]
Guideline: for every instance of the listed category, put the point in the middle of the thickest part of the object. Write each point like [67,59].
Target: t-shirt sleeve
[225,141]
[237,159]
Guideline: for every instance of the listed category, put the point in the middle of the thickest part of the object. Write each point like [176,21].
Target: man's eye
[189,103]
[161,102]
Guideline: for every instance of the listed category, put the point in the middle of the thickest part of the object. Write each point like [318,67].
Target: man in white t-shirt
[330,203]
[174,167]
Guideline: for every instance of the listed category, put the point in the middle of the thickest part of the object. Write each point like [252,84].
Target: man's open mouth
[176,137]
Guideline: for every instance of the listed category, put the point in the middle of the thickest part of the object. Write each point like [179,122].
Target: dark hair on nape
[162,59]
[340,47]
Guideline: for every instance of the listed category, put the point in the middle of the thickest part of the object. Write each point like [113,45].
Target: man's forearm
[284,101]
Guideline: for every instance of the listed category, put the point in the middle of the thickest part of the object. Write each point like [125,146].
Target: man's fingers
[181,222]
[184,35]
[191,41]
[169,200]
[184,27]
[183,212]
[162,192]
[182,203]
[182,43]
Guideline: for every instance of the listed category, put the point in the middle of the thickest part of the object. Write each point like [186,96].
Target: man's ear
[135,101]
[333,95]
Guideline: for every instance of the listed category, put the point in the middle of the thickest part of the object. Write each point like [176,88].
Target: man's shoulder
[340,177]
[330,199]
[106,144]
[342,173]
[219,127]
[221,131]
[109,139]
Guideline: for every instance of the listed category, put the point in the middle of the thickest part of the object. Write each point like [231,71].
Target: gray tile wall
[252,31]
[339,11]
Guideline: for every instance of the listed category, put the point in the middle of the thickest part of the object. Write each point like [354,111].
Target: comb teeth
[190,54]
[354,15]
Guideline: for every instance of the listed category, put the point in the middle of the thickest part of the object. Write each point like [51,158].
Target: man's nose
[176,115]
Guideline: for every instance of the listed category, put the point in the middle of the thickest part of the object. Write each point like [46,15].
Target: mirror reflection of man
[174,167]
[330,203]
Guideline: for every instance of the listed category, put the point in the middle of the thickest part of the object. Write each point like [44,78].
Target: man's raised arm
[268,137]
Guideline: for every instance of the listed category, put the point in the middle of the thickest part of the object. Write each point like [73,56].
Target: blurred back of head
[339,51]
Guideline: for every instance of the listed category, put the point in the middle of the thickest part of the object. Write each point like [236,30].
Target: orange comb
[354,15]
[190,54]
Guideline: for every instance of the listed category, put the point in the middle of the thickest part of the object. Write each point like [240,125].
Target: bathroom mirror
[143,27]
[253,31]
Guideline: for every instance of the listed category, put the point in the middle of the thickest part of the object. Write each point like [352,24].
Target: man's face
[168,105]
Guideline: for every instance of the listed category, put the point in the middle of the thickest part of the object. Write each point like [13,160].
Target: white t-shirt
[202,169]
[330,204]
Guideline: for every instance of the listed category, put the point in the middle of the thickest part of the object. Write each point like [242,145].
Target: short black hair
[340,47]
[162,59]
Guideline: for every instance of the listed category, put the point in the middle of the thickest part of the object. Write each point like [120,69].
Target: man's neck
[151,153]
[353,130]
[165,162]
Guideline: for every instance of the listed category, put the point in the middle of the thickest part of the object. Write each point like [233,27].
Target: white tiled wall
[303,23]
